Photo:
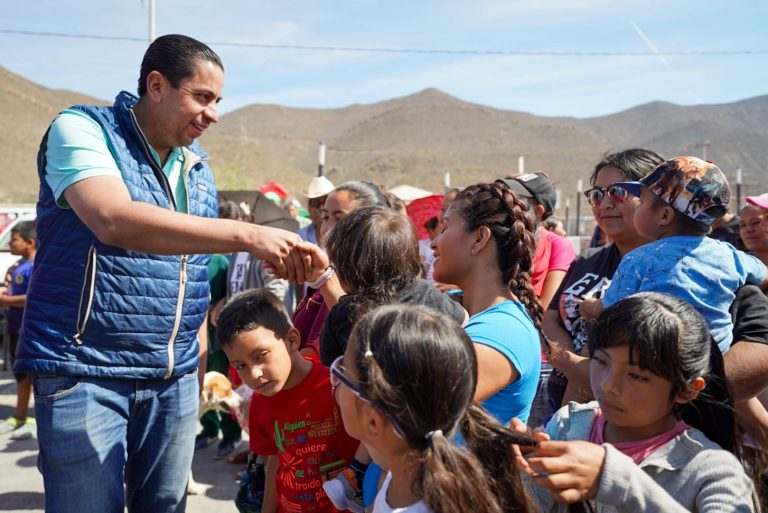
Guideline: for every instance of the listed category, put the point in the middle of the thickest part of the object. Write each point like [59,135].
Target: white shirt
[380,503]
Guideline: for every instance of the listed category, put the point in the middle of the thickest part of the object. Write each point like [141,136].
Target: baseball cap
[535,186]
[319,186]
[758,201]
[693,187]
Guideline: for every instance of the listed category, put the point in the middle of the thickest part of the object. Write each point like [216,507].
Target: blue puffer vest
[103,311]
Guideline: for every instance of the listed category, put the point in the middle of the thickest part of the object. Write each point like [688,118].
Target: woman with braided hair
[486,247]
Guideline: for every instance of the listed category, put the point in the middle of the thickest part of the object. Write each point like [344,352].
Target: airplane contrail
[651,46]
[663,59]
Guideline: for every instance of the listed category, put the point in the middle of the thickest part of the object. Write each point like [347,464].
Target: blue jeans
[97,434]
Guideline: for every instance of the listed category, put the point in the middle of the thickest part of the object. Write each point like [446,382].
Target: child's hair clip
[432,434]
[368,354]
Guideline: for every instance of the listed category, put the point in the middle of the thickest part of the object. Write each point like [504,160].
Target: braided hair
[496,207]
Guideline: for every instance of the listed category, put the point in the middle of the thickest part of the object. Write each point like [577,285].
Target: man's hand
[276,247]
[308,263]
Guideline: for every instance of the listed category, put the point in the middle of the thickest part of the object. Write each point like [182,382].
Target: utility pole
[578,205]
[320,159]
[703,146]
[151,21]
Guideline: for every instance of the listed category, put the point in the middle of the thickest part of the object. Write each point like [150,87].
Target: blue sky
[579,86]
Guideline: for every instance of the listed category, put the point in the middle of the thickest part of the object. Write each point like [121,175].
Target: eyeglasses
[317,202]
[338,377]
[595,195]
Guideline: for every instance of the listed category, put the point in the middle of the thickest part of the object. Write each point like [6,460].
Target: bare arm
[494,372]
[555,331]
[562,357]
[17,301]
[270,485]
[315,265]
[551,284]
[745,365]
[105,206]
[202,337]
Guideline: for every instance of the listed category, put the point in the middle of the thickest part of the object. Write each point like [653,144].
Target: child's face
[349,403]
[262,359]
[634,402]
[647,215]
[19,245]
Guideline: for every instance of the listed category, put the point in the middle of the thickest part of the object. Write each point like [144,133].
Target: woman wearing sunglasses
[591,273]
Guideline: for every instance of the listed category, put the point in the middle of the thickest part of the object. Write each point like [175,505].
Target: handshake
[306,262]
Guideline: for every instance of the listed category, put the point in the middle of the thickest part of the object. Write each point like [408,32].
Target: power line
[320,48]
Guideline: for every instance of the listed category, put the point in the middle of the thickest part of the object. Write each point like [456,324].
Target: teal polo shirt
[78,149]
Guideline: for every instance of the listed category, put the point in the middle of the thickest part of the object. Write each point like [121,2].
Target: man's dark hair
[176,57]
[25,230]
[250,310]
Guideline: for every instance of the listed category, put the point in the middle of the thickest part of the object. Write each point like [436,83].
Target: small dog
[217,395]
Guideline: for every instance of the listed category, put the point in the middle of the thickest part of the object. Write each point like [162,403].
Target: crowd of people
[495,371]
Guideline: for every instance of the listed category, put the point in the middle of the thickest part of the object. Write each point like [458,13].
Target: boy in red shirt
[294,420]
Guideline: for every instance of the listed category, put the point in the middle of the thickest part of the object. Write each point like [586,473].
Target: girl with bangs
[652,434]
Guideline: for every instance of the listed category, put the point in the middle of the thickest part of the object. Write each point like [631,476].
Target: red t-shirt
[541,261]
[303,426]
[553,253]
[563,254]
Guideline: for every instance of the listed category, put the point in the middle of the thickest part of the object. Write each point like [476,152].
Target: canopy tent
[263,210]
[409,193]
[422,210]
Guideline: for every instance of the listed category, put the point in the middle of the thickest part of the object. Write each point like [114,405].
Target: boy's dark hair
[634,163]
[432,223]
[687,226]
[26,230]
[250,310]
[683,224]
[176,58]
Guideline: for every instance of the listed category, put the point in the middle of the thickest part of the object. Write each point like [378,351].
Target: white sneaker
[10,424]
[342,495]
[26,431]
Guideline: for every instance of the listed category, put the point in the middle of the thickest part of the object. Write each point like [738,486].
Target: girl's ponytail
[492,444]
[419,368]
[452,480]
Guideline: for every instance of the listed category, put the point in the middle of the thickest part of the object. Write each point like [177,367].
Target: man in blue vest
[119,292]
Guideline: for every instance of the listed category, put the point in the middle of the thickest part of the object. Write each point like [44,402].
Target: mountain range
[414,139]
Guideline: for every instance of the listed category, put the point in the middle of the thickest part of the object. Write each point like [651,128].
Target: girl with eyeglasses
[652,440]
[404,386]
[591,273]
